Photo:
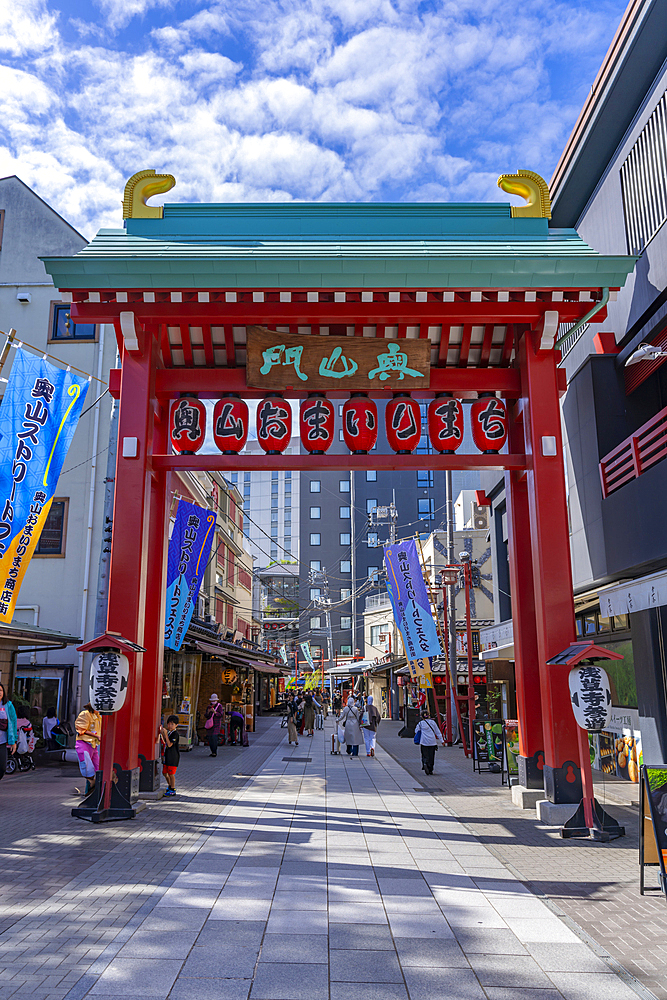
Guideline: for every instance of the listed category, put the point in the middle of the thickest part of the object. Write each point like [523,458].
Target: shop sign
[109,676]
[410,601]
[511,734]
[229,675]
[39,414]
[189,548]
[590,694]
[653,828]
[284,361]
[487,745]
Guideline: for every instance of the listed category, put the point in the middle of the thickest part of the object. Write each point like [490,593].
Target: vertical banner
[305,649]
[38,416]
[189,549]
[283,654]
[410,601]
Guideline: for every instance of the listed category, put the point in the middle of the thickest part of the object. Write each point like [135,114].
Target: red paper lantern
[360,423]
[187,425]
[488,416]
[403,423]
[274,424]
[317,420]
[445,423]
[230,424]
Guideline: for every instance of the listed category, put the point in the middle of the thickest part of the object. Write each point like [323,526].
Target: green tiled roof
[326,246]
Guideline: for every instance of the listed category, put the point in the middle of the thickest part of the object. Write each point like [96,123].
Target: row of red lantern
[403,424]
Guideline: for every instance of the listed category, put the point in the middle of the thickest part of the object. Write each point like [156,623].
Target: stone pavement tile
[459,897]
[290,948]
[304,868]
[240,908]
[209,880]
[360,937]
[353,912]
[189,896]
[415,925]
[425,984]
[149,944]
[431,953]
[547,929]
[208,989]
[488,941]
[364,967]
[208,963]
[231,933]
[591,986]
[510,993]
[290,982]
[411,904]
[404,873]
[520,906]
[473,916]
[514,971]
[570,957]
[300,901]
[403,886]
[141,976]
[289,922]
[361,991]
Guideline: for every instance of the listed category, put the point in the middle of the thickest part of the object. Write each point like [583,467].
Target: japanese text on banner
[410,602]
[189,549]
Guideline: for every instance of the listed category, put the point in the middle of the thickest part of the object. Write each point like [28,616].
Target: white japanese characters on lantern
[590,694]
[109,675]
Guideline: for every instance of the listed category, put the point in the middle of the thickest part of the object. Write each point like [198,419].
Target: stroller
[22,758]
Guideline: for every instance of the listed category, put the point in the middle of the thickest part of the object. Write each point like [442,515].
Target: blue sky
[256,100]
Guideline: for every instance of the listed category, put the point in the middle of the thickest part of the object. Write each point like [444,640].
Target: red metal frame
[635,455]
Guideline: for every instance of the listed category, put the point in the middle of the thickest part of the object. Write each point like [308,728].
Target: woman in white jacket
[429,737]
[350,721]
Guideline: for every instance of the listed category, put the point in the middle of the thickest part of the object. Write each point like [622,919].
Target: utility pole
[451,600]
[318,578]
[353,563]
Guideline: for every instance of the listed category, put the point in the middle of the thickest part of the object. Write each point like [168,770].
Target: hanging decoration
[488,417]
[187,424]
[445,423]
[317,420]
[403,423]
[360,423]
[274,424]
[230,424]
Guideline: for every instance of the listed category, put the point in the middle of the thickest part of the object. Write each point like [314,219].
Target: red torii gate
[488,285]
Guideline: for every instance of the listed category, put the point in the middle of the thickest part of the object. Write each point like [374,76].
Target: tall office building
[271,510]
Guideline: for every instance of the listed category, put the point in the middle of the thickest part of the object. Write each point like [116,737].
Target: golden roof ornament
[533,188]
[142,186]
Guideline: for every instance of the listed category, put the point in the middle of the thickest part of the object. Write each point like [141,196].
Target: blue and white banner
[38,416]
[283,654]
[189,549]
[305,649]
[410,601]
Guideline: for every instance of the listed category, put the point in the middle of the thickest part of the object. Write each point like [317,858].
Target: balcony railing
[635,455]
[377,601]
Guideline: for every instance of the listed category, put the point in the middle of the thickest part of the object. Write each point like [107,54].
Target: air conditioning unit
[480,516]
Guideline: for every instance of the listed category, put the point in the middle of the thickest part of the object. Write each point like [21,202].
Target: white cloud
[26,26]
[119,13]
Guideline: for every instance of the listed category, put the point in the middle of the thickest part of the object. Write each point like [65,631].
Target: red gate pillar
[552,573]
[528,698]
[129,554]
[153,658]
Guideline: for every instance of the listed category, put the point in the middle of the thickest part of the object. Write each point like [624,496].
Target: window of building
[274,475]
[345,566]
[376,631]
[371,505]
[373,572]
[62,327]
[345,593]
[315,538]
[343,485]
[344,511]
[315,593]
[288,475]
[372,539]
[315,485]
[274,531]
[315,513]
[274,552]
[274,515]
[316,652]
[340,434]
[371,476]
[344,538]
[235,477]
[425,508]
[315,564]
[274,489]
[274,501]
[425,478]
[346,621]
[288,489]
[54,534]
[346,650]
[246,491]
[316,621]
[246,477]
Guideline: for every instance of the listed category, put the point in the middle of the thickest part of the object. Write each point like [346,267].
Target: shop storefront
[180,690]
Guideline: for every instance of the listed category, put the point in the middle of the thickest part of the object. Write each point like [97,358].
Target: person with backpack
[427,735]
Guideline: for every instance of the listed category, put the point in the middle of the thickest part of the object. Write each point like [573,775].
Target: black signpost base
[92,808]
[604,827]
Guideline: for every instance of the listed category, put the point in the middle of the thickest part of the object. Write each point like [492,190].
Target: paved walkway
[325,878]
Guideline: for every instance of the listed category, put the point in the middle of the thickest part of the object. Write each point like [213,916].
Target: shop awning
[211,649]
[264,668]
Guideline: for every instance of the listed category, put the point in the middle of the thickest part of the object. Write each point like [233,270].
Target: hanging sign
[305,649]
[317,421]
[283,654]
[590,694]
[488,419]
[274,424]
[360,424]
[403,424]
[189,548]
[38,416]
[410,601]
[445,424]
[230,424]
[421,672]
[109,676]
[187,425]
[284,361]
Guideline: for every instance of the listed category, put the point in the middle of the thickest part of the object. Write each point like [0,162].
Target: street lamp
[645,352]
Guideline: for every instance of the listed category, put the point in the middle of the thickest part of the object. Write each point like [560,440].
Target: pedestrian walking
[309,714]
[172,754]
[371,726]
[236,727]
[292,708]
[215,716]
[428,736]
[88,727]
[326,700]
[8,732]
[350,720]
[49,722]
[337,704]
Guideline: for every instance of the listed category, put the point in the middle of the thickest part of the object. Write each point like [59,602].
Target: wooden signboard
[283,361]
